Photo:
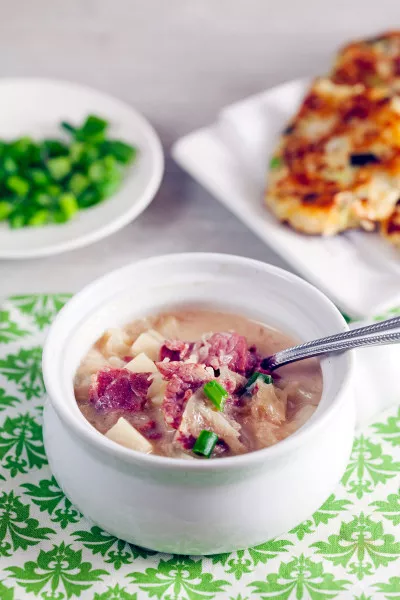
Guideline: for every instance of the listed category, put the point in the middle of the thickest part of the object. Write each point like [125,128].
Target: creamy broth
[168,407]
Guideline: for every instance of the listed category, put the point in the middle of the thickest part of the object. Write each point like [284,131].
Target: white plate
[35,107]
[357,270]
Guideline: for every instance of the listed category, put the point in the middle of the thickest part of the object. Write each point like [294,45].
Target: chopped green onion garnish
[111,186]
[68,127]
[205,443]
[257,375]
[216,393]
[42,199]
[123,153]
[49,180]
[68,204]
[59,167]
[21,146]
[9,165]
[39,177]
[54,190]
[18,185]
[59,217]
[93,127]
[5,209]
[40,217]
[97,171]
[88,198]
[54,149]
[275,162]
[78,183]
[76,151]
[111,163]
[16,220]
[89,154]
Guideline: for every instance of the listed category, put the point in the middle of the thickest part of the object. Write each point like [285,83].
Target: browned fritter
[337,165]
[373,62]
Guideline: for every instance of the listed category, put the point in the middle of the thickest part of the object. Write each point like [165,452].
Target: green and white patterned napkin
[349,548]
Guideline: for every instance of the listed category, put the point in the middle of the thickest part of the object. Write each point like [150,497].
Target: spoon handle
[356,338]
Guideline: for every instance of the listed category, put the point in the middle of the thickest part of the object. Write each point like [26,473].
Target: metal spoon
[370,335]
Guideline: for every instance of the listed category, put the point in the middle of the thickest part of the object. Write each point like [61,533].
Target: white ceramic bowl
[196,507]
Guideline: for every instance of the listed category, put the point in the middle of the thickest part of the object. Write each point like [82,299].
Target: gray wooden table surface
[179,62]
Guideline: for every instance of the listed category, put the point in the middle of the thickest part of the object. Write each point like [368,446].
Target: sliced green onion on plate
[5,209]
[49,181]
[68,205]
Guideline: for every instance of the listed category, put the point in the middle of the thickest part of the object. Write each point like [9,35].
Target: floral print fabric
[349,548]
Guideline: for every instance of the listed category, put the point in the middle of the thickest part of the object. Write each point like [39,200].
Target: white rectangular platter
[357,270]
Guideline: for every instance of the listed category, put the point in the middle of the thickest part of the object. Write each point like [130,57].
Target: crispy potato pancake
[337,165]
[373,62]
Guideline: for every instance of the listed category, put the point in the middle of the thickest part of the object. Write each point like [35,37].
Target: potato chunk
[157,389]
[150,343]
[125,434]
[114,342]
[141,364]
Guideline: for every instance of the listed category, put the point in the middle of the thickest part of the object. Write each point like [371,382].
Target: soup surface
[189,384]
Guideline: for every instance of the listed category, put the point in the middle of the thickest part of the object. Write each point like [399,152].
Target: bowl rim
[100,442]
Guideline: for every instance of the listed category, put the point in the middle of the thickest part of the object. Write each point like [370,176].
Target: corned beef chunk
[186,441]
[149,429]
[175,350]
[183,380]
[226,349]
[113,389]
